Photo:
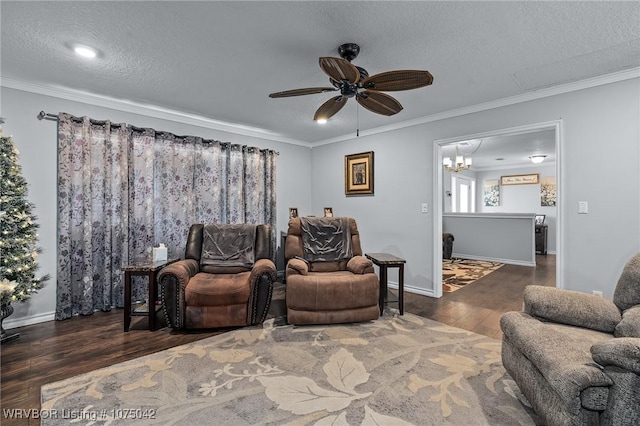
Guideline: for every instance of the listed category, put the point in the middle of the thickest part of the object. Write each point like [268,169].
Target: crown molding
[512,100]
[209,123]
[147,110]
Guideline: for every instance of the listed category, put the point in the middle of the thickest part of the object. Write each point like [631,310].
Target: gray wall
[521,198]
[496,237]
[600,138]
[37,141]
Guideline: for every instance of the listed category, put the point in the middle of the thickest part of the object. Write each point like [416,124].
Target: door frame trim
[555,125]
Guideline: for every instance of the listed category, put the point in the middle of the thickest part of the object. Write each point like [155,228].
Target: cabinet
[541,239]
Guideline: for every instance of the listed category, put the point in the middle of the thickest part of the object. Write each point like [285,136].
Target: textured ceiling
[220,60]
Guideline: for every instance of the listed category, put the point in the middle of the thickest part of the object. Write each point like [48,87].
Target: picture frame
[540,219]
[528,179]
[358,173]
[328,212]
[293,212]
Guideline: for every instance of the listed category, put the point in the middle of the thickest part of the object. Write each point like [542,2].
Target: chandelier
[461,163]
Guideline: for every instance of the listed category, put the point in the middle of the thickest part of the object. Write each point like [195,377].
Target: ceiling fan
[354,81]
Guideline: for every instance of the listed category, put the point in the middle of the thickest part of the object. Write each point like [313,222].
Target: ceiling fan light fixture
[354,82]
[321,121]
[537,159]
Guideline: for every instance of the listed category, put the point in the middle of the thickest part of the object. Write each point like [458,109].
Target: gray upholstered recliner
[328,279]
[225,280]
[576,356]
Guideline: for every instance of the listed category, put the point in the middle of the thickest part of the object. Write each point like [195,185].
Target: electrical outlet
[597,293]
[424,208]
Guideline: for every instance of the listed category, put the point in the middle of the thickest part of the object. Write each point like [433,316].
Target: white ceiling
[220,60]
[506,151]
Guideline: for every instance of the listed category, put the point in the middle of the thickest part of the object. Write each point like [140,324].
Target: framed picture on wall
[358,173]
[328,212]
[293,212]
[520,179]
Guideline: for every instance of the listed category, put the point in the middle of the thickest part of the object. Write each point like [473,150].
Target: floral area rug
[398,370]
[457,273]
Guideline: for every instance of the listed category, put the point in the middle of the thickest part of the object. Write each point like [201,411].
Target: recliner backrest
[294,247]
[627,292]
[193,250]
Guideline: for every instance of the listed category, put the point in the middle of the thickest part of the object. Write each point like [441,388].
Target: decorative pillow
[630,324]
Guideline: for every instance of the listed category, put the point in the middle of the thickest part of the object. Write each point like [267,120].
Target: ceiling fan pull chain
[357,121]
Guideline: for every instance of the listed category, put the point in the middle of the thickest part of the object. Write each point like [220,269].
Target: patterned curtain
[123,190]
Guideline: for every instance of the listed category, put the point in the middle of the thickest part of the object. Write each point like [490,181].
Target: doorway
[439,179]
[463,194]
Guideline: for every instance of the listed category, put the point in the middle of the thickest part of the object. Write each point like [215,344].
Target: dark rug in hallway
[457,273]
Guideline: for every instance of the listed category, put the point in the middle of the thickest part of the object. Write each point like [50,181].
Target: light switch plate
[583,207]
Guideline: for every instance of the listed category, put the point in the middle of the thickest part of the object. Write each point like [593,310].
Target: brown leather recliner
[225,279]
[329,291]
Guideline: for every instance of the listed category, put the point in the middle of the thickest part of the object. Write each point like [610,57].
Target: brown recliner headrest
[262,247]
[294,247]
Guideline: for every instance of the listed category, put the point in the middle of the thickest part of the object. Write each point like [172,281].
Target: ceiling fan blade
[300,92]
[378,102]
[339,69]
[398,80]
[330,108]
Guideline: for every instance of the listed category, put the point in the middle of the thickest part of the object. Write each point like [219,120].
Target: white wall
[600,139]
[520,198]
[37,143]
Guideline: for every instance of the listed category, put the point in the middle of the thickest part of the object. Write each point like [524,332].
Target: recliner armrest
[571,307]
[173,280]
[182,270]
[623,352]
[264,267]
[297,266]
[360,265]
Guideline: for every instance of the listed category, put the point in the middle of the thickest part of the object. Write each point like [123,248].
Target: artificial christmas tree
[18,249]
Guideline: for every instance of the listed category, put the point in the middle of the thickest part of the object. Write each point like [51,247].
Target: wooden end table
[385,261]
[149,269]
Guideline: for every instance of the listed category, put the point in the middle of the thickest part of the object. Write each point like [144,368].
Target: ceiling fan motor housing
[349,51]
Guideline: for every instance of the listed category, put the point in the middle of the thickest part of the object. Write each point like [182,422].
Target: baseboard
[411,289]
[494,259]
[33,319]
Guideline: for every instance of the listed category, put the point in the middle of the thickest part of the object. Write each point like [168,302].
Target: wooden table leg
[127,300]
[383,287]
[152,300]
[401,289]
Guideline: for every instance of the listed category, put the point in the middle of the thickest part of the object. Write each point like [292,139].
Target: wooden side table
[385,261]
[148,269]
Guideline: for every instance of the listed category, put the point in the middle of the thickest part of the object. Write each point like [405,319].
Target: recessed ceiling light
[85,51]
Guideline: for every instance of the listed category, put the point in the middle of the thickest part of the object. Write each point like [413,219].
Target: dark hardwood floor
[56,350]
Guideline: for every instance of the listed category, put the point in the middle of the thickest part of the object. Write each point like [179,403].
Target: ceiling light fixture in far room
[461,163]
[321,121]
[537,159]
[85,51]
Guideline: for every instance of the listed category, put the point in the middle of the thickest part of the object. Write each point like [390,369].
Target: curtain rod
[53,117]
[46,116]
